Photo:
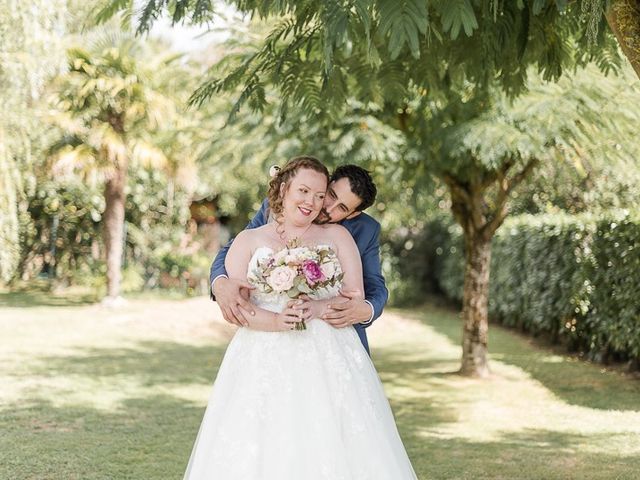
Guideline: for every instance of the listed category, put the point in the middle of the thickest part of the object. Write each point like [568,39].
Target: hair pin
[273,170]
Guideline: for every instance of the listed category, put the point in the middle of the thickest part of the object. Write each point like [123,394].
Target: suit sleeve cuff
[373,312]
[214,280]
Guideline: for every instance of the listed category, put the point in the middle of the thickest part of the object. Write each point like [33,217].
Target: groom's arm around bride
[350,191]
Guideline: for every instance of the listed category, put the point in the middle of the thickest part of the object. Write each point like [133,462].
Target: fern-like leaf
[457,15]
[403,22]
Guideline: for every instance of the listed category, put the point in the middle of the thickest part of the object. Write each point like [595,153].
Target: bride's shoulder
[261,230]
[333,229]
[336,233]
[252,236]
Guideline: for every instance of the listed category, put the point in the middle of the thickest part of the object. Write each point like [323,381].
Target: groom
[351,190]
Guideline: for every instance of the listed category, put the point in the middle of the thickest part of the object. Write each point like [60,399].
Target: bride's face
[304,196]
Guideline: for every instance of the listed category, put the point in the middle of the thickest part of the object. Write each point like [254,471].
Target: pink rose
[312,272]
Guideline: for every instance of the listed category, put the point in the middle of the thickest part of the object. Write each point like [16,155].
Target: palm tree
[108,106]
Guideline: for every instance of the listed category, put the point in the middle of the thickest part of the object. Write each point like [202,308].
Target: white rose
[280,256]
[294,255]
[281,278]
[328,269]
[291,259]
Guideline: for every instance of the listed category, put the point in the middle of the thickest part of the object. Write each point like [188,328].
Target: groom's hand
[343,314]
[232,295]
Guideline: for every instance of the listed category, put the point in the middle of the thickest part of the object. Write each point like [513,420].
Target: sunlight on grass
[512,413]
[90,393]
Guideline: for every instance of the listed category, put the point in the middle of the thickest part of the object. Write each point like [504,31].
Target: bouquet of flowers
[296,271]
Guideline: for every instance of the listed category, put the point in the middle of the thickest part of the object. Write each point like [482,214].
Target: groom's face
[339,202]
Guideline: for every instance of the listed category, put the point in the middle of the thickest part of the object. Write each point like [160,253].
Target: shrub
[571,277]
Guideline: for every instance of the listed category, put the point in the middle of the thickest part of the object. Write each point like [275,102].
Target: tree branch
[456,187]
[505,187]
[524,173]
[460,201]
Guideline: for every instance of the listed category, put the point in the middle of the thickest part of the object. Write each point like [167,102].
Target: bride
[291,404]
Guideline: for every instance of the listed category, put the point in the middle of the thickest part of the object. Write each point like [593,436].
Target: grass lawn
[87,393]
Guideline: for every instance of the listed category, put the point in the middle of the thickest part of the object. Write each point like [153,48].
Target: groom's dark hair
[360,181]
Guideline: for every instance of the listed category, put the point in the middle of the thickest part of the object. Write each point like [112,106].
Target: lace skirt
[298,405]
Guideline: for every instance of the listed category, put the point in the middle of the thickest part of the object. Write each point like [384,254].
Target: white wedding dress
[297,405]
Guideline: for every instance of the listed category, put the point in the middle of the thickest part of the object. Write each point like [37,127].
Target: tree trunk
[113,228]
[475,298]
[479,219]
[623,17]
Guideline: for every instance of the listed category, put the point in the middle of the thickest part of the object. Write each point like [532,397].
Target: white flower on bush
[281,278]
[328,269]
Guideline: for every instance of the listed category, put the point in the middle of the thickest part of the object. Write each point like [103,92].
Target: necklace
[294,241]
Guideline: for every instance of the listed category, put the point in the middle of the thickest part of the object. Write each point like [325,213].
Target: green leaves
[109,8]
[561,5]
[179,11]
[201,10]
[571,277]
[537,6]
[555,122]
[336,22]
[403,22]
[456,15]
[458,42]
[30,50]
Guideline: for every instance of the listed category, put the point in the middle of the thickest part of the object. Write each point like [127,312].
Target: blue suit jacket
[366,232]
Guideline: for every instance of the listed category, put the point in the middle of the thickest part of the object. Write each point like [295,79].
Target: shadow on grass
[525,455]
[40,296]
[151,436]
[423,396]
[147,438]
[575,381]
[155,361]
[143,437]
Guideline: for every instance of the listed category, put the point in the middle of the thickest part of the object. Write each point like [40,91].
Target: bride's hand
[266,321]
[286,320]
[309,308]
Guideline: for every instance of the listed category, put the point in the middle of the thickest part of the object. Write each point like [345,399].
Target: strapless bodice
[275,302]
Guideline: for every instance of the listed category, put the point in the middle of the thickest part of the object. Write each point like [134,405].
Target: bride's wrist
[322,307]
[275,321]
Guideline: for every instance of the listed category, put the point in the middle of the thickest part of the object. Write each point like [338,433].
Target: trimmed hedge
[574,278]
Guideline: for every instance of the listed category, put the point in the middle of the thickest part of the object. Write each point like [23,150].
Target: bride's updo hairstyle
[286,174]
